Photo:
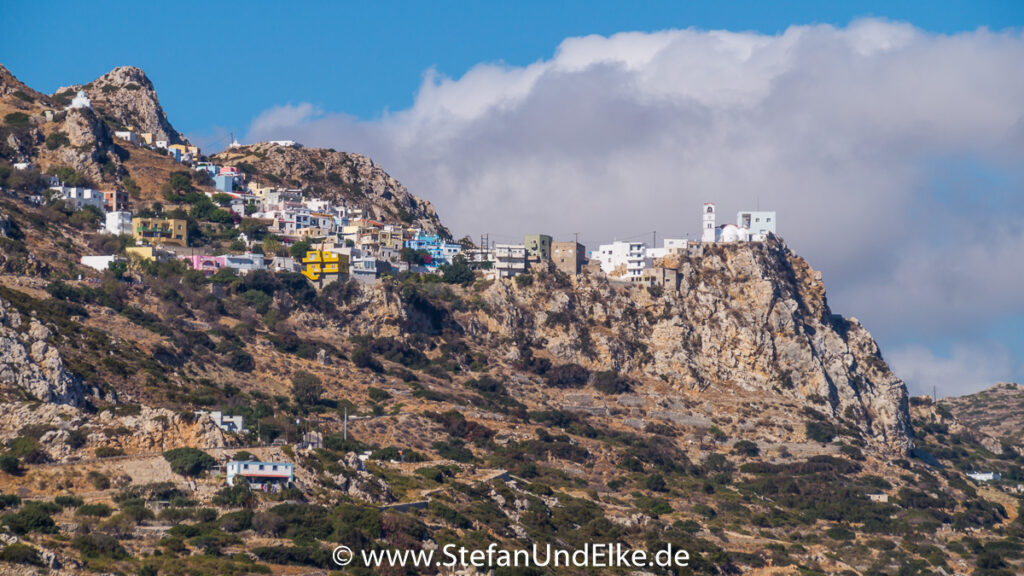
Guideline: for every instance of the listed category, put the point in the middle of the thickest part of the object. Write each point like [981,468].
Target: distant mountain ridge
[997,411]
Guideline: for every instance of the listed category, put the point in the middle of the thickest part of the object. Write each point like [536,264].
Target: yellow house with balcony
[160,231]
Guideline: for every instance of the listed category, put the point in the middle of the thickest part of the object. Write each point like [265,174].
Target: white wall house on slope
[625,260]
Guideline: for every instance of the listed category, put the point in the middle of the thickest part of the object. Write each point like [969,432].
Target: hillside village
[320,232]
[231,363]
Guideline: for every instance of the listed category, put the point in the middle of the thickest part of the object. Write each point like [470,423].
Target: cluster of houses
[345,242]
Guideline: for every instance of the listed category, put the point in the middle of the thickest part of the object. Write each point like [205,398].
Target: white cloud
[967,369]
[853,135]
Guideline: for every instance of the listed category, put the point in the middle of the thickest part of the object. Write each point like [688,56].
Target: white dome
[730,233]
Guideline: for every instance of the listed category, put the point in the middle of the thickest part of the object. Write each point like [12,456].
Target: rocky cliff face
[344,176]
[747,318]
[90,145]
[126,96]
[29,366]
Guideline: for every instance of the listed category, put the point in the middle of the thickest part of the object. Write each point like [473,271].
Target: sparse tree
[306,388]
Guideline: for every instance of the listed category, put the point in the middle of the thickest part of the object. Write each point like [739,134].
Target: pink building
[206,264]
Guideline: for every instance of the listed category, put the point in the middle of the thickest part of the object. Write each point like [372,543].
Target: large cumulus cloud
[893,157]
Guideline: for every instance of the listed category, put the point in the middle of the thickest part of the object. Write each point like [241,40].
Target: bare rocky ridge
[29,364]
[9,84]
[336,175]
[126,96]
[748,316]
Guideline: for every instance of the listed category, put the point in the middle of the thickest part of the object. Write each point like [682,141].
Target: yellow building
[148,253]
[160,230]
[147,137]
[391,239]
[323,267]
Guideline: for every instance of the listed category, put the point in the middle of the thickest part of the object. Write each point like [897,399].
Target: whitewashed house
[100,262]
[81,197]
[223,421]
[624,260]
[118,223]
[265,476]
[509,260]
[760,224]
[128,135]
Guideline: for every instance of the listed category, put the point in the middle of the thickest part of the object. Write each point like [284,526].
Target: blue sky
[217,65]
[889,135]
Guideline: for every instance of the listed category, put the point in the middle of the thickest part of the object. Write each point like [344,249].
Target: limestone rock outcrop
[749,317]
[30,365]
[127,96]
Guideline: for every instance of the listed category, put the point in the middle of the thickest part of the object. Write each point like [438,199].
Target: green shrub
[822,432]
[33,517]
[611,382]
[306,388]
[99,546]
[108,452]
[10,464]
[567,376]
[19,553]
[99,480]
[188,461]
[56,140]
[68,501]
[656,483]
[17,119]
[9,501]
[97,510]
[746,448]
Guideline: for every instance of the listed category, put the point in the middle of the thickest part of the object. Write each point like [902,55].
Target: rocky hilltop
[997,412]
[126,97]
[335,175]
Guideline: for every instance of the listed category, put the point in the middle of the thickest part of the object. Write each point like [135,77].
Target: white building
[625,260]
[509,260]
[100,262]
[284,142]
[284,264]
[80,101]
[224,422]
[161,144]
[984,476]
[758,223]
[751,226]
[245,263]
[128,135]
[118,223]
[267,476]
[676,245]
[81,197]
[22,165]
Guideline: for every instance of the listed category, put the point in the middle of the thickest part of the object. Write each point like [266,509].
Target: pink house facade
[206,264]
